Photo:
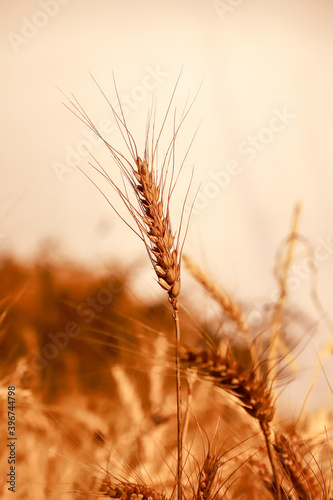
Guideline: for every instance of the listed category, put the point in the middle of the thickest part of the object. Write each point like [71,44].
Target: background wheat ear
[227,304]
[130,491]
[298,471]
[207,475]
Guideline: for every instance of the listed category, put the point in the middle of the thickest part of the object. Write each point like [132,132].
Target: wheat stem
[266,432]
[179,407]
[152,189]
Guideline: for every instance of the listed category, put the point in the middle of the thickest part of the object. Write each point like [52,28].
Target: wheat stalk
[248,387]
[165,259]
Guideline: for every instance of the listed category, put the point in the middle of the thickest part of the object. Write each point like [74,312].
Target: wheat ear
[232,309]
[163,255]
[152,218]
[206,477]
[298,472]
[229,375]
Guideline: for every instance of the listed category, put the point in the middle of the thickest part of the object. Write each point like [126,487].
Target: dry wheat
[151,216]
[229,306]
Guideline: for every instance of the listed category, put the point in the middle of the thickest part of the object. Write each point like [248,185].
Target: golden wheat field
[96,407]
[166,250]
[104,396]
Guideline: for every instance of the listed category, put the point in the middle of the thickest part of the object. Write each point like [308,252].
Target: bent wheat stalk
[152,188]
[251,390]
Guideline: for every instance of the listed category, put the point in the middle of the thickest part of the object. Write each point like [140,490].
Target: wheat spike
[226,373]
[282,273]
[298,472]
[206,477]
[163,254]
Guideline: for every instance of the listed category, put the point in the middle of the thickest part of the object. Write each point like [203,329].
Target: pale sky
[265,111]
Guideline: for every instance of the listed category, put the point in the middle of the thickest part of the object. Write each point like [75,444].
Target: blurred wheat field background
[87,337]
[100,406]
